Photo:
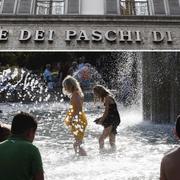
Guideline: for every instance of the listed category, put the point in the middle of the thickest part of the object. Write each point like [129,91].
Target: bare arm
[76,102]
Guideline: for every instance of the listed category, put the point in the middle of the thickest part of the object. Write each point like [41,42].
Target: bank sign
[90,35]
[94,36]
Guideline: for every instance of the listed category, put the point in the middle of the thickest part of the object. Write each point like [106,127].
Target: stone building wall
[89,33]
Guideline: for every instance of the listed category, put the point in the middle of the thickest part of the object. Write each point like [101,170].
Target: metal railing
[46,7]
[133,7]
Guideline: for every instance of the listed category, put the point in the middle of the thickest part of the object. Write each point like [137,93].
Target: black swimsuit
[112,118]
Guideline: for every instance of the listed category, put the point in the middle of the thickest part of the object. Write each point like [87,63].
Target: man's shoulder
[18,147]
[175,152]
[21,143]
[29,145]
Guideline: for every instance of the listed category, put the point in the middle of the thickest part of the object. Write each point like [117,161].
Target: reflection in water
[140,144]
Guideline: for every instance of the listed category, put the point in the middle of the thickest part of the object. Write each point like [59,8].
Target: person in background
[76,119]
[73,68]
[85,76]
[60,74]
[19,158]
[81,62]
[48,77]
[170,163]
[110,118]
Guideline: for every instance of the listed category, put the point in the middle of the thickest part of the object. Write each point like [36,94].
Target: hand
[98,121]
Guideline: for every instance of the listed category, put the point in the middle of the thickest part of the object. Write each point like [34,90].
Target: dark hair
[101,92]
[178,126]
[4,133]
[22,122]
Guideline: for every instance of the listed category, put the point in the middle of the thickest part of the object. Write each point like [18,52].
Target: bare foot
[82,152]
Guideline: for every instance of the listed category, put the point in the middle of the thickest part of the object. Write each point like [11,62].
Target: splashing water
[128,80]
[94,76]
[21,85]
[140,145]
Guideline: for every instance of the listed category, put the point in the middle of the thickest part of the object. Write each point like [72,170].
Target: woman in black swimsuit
[110,118]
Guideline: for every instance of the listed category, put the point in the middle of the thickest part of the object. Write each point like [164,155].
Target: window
[134,7]
[45,7]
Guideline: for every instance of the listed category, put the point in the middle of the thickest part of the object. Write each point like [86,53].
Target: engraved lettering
[24,35]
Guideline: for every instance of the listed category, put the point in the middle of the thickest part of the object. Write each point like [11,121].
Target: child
[75,118]
[110,118]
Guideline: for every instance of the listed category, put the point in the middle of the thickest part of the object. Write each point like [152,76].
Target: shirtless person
[171,162]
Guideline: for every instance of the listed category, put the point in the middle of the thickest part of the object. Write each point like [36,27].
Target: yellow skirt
[77,124]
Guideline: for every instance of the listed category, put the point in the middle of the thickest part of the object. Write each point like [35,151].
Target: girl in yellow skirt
[75,119]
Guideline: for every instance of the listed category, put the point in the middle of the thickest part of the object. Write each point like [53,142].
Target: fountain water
[93,77]
[140,145]
[21,85]
[129,79]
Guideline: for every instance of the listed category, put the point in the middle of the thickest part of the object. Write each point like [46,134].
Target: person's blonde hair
[72,85]
[101,92]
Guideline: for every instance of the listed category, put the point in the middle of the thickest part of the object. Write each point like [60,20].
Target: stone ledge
[90,18]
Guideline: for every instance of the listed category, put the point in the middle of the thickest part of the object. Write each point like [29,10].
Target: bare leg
[78,148]
[75,145]
[112,140]
[105,134]
[82,151]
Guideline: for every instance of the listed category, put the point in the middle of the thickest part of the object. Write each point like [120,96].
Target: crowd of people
[53,74]
[20,159]
[80,71]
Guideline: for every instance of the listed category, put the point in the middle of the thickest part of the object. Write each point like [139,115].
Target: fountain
[22,85]
[140,144]
[128,82]
[93,77]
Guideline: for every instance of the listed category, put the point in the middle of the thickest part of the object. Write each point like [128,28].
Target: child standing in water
[110,118]
[75,119]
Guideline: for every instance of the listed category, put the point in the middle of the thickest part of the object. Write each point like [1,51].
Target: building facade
[100,25]
[90,7]
[89,24]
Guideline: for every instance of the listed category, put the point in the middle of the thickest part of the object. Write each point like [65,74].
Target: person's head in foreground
[70,85]
[24,125]
[19,158]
